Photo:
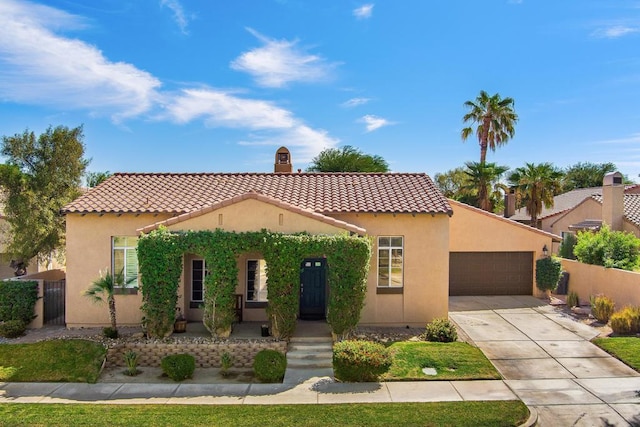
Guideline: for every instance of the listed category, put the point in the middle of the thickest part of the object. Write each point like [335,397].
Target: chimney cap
[612,178]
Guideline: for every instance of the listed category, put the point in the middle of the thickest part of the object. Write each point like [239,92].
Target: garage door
[490,273]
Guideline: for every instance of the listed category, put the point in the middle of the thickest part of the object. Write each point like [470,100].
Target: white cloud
[279,62]
[363,12]
[374,122]
[614,31]
[634,138]
[40,67]
[270,124]
[178,14]
[355,102]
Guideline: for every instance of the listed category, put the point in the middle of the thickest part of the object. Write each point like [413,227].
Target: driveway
[547,360]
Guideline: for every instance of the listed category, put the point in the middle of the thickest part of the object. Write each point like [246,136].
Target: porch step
[308,357]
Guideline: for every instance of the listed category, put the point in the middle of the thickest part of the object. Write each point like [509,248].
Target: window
[198,272]
[125,260]
[256,280]
[390,262]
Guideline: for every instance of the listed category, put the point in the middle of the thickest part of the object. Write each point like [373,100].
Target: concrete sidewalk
[546,359]
[315,390]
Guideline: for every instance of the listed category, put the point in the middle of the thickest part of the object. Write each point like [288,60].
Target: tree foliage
[495,121]
[535,185]
[40,176]
[347,159]
[483,182]
[104,288]
[585,175]
[548,271]
[611,249]
[95,178]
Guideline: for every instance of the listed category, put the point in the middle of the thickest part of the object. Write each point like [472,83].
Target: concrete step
[309,355]
[309,364]
[311,347]
[306,340]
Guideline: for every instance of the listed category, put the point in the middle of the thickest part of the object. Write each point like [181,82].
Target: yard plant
[12,328]
[441,330]
[611,249]
[602,307]
[178,367]
[18,300]
[626,321]
[269,366]
[360,361]
[548,271]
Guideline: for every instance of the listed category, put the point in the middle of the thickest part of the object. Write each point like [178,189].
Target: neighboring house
[10,266]
[406,216]
[616,205]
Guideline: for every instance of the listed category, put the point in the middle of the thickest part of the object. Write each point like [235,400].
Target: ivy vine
[160,256]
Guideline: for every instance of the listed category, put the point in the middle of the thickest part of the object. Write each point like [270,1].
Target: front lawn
[626,349]
[490,413]
[452,361]
[51,361]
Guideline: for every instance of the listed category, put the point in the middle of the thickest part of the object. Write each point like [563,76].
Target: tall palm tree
[535,186]
[495,119]
[104,286]
[483,180]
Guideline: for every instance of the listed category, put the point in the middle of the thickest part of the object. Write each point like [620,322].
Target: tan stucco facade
[424,294]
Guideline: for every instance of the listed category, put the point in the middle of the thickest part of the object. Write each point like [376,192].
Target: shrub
[12,328]
[626,321]
[602,308]
[178,367]
[110,332]
[567,245]
[226,362]
[18,300]
[548,270]
[359,361]
[611,249]
[573,300]
[441,330]
[131,360]
[269,366]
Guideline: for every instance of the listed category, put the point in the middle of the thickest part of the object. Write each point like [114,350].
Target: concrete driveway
[547,360]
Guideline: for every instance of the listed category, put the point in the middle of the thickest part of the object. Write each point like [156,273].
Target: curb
[533,418]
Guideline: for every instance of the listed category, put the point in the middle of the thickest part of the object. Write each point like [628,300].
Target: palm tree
[495,118]
[483,180]
[535,186]
[104,286]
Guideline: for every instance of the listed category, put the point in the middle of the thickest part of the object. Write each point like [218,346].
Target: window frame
[193,301]
[389,249]
[259,303]
[133,286]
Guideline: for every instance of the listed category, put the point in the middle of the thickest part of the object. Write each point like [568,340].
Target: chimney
[283,161]
[510,203]
[613,200]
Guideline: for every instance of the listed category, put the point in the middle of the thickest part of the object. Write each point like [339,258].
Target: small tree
[567,245]
[103,287]
[611,249]
[548,270]
[347,159]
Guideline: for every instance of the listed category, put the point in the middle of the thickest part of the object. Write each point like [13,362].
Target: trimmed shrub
[269,366]
[360,361]
[178,367]
[441,330]
[611,249]
[626,321]
[12,328]
[573,300]
[548,271]
[110,332]
[602,307]
[18,300]
[567,245]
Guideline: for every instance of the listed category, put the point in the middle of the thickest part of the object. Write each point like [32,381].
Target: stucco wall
[88,253]
[621,286]
[473,230]
[588,209]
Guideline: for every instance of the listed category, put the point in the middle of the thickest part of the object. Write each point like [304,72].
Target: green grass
[490,413]
[51,361]
[626,349]
[452,361]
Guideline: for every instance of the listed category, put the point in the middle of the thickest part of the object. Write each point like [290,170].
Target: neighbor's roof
[180,193]
[631,207]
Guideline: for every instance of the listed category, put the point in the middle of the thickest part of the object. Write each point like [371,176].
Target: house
[409,220]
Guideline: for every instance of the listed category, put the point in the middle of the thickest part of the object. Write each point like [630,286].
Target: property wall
[474,230]
[621,286]
[425,295]
[88,253]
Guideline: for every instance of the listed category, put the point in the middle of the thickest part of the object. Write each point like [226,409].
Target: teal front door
[313,289]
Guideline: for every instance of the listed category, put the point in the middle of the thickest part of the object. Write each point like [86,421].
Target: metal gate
[54,302]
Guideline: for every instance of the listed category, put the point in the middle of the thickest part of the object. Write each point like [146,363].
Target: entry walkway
[548,362]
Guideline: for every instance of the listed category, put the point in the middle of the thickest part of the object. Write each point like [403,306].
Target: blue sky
[218,86]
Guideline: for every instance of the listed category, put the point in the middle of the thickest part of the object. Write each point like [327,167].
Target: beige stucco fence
[621,286]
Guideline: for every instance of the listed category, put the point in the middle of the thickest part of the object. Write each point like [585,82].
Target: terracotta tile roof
[256,196]
[631,207]
[325,193]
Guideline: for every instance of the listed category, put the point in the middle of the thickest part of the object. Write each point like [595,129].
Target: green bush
[567,245]
[131,360]
[626,321]
[441,330]
[178,367]
[226,362]
[548,271]
[12,328]
[269,366]
[110,332]
[602,307]
[572,299]
[611,249]
[18,300]
[360,361]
